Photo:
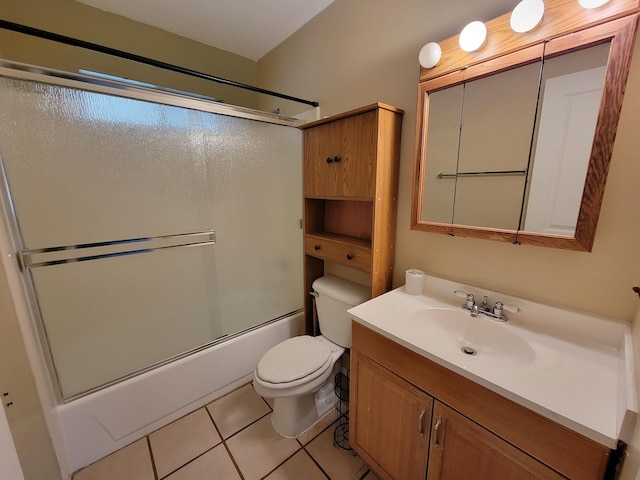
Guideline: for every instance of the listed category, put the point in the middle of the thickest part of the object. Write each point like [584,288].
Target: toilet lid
[293,359]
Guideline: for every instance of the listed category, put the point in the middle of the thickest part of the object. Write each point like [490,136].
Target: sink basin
[480,339]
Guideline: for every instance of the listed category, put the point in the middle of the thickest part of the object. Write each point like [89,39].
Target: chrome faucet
[485,304]
[484,309]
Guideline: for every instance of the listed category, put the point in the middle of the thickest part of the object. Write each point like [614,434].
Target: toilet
[298,373]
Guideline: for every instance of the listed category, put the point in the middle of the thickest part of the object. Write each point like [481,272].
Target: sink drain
[469,351]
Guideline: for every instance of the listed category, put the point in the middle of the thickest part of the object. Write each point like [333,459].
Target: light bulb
[473,36]
[430,55]
[527,15]
[592,3]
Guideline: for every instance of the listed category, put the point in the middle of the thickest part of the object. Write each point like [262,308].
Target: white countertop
[571,367]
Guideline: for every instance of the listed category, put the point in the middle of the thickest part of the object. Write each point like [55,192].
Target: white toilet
[298,373]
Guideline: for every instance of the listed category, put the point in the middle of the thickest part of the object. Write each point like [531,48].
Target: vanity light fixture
[473,36]
[527,15]
[592,3]
[430,55]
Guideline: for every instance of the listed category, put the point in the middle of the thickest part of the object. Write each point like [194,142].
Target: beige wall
[77,20]
[358,52]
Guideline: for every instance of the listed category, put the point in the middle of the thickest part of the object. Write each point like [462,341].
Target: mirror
[478,142]
[516,148]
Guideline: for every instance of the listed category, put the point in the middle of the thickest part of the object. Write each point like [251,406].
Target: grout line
[226,447]
[247,426]
[304,447]
[192,460]
[281,463]
[316,462]
[196,457]
[214,423]
[153,462]
[264,400]
[233,460]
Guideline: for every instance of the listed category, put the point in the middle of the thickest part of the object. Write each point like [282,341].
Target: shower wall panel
[104,190]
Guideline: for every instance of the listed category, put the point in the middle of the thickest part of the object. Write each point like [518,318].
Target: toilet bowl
[308,367]
[298,373]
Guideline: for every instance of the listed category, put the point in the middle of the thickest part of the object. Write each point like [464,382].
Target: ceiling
[251,28]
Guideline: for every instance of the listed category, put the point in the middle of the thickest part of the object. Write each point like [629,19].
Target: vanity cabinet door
[463,450]
[389,421]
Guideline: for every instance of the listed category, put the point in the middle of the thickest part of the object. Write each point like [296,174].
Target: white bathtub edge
[103,422]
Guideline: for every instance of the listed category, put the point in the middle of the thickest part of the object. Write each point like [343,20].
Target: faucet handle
[511,308]
[471,301]
[505,306]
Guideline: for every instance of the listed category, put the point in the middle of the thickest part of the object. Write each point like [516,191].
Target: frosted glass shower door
[148,230]
[256,188]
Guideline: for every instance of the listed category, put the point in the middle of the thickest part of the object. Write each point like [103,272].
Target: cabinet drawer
[339,250]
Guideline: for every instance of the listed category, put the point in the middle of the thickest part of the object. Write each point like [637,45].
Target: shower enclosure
[148,226]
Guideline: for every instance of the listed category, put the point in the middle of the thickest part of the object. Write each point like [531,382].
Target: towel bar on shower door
[43,257]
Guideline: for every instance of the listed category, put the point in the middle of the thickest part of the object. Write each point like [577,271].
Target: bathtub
[105,421]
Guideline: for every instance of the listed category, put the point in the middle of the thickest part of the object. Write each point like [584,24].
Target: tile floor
[231,439]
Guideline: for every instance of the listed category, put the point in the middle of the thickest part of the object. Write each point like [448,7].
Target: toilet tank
[334,297]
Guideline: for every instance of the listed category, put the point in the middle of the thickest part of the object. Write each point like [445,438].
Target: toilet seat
[294,361]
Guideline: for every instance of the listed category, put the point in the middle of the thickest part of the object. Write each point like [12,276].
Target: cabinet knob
[329,160]
[336,159]
[349,256]
[316,247]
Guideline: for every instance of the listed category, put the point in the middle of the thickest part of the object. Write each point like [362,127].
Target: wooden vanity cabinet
[394,420]
[462,449]
[466,432]
[350,188]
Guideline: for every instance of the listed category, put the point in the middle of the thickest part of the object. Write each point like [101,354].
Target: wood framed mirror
[490,158]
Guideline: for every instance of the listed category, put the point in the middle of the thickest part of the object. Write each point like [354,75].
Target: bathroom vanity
[438,394]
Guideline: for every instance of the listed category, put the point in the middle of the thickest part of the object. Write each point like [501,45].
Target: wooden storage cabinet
[340,157]
[474,433]
[351,164]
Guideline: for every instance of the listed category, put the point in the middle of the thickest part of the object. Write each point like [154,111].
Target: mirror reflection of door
[572,90]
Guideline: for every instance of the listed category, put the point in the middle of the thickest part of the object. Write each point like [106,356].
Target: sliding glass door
[146,230]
